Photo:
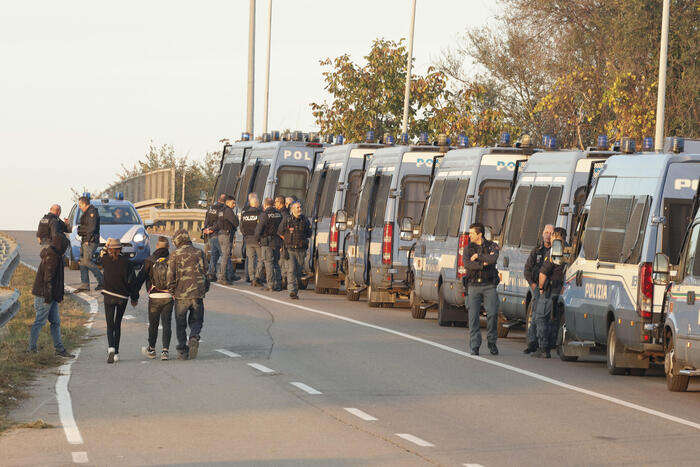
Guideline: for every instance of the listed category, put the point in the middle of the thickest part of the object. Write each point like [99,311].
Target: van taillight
[387,242]
[645,294]
[333,240]
[461,247]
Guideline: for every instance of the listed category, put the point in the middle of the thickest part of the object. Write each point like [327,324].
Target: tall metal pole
[409,62]
[251,69]
[267,65]
[661,97]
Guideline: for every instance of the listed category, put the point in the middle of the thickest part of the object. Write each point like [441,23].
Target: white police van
[640,206]
[471,185]
[233,159]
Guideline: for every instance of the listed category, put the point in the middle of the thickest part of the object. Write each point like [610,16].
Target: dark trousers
[160,310]
[189,311]
[225,248]
[271,257]
[294,264]
[214,253]
[253,254]
[485,295]
[114,312]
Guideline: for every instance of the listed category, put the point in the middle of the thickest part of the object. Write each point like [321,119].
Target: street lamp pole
[661,96]
[409,62]
[267,66]
[251,70]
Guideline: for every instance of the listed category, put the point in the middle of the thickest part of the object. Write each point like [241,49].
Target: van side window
[431,213]
[291,181]
[353,191]
[330,186]
[382,193]
[368,189]
[458,203]
[517,215]
[533,213]
[493,199]
[680,187]
[312,194]
[414,192]
[446,206]
[594,225]
[244,186]
[635,229]
[226,182]
[612,235]
[692,262]
[261,181]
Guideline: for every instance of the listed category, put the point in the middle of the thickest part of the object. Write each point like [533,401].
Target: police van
[395,186]
[471,185]
[118,219]
[551,189]
[233,158]
[335,186]
[640,206]
[275,167]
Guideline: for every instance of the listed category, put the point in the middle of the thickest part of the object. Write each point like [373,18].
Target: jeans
[114,312]
[271,257]
[283,264]
[159,310]
[542,314]
[479,295]
[214,253]
[294,263]
[532,328]
[253,254]
[86,264]
[225,249]
[46,311]
[195,319]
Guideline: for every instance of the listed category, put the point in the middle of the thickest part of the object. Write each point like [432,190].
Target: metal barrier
[170,220]
[156,187]
[9,259]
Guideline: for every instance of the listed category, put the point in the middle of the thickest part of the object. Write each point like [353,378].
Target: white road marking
[415,440]
[261,368]
[80,457]
[359,413]
[472,465]
[305,388]
[505,366]
[228,353]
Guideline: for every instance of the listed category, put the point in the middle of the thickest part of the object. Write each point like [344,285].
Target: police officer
[532,274]
[295,231]
[211,227]
[266,235]
[89,232]
[480,281]
[253,253]
[226,225]
[281,206]
[50,226]
[230,269]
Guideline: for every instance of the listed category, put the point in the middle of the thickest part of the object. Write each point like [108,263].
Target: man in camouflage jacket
[188,283]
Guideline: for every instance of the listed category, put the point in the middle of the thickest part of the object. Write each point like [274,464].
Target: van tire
[528,317]
[317,289]
[369,296]
[349,293]
[502,330]
[612,352]
[674,381]
[442,309]
[561,344]
[416,311]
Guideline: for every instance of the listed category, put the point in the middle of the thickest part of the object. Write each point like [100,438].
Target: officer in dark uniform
[532,276]
[295,231]
[226,225]
[281,206]
[253,253]
[266,235]
[211,228]
[89,231]
[50,226]
[480,282]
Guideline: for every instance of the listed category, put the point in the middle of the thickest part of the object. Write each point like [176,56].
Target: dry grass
[18,368]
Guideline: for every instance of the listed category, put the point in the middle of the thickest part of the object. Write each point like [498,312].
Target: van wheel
[528,318]
[371,303]
[502,330]
[416,311]
[562,342]
[349,293]
[674,381]
[638,371]
[613,349]
[442,309]
[317,289]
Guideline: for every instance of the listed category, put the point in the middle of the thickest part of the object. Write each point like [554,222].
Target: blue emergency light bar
[245,136]
[463,140]
[677,144]
[505,138]
[647,143]
[119,195]
[369,137]
[603,142]
[423,138]
[404,138]
[340,139]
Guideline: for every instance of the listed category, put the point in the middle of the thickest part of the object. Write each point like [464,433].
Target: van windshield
[493,199]
[115,215]
[414,192]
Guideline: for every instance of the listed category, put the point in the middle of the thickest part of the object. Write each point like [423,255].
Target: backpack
[159,274]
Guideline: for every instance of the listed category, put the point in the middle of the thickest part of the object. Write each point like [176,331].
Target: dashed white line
[415,440]
[228,353]
[306,388]
[261,368]
[472,465]
[80,457]
[359,413]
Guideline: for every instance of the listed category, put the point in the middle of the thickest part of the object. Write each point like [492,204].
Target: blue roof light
[245,136]
[648,143]
[86,195]
[119,195]
[339,139]
[463,140]
[423,138]
[627,146]
[551,142]
[404,138]
[505,138]
[603,142]
[370,136]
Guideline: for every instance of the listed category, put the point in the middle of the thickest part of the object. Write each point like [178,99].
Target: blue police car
[118,219]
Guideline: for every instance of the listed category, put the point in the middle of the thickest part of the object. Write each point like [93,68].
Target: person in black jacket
[532,276]
[211,233]
[282,206]
[48,293]
[253,253]
[266,235]
[295,232]
[119,286]
[160,301]
[50,226]
[227,224]
[89,231]
[480,281]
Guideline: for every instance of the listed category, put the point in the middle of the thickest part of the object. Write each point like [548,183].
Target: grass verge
[18,368]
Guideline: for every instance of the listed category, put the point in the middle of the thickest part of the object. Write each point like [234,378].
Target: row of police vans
[390,223]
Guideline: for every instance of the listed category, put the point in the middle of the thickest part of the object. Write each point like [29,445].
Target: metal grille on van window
[431,214]
[677,213]
[533,215]
[694,256]
[517,215]
[291,181]
[413,196]
[594,223]
[493,199]
[457,208]
[380,201]
[230,178]
[370,186]
[329,189]
[352,192]
[551,207]
[634,234]
[244,186]
[446,205]
[260,181]
[312,193]
[613,234]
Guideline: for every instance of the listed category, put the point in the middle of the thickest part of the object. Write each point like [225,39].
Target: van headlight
[139,237]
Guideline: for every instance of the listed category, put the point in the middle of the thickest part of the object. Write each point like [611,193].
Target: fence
[9,259]
[152,188]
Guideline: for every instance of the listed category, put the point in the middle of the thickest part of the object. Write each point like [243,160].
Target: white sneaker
[116,358]
[110,355]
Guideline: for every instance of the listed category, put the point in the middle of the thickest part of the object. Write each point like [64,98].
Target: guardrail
[170,220]
[9,259]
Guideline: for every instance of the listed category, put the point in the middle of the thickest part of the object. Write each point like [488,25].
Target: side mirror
[406,229]
[341,220]
[557,251]
[660,270]
[488,233]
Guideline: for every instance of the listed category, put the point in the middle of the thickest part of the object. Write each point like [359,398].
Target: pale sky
[86,85]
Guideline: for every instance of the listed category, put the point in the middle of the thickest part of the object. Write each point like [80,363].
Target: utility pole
[184,171]
[251,69]
[409,62]
[661,96]
[267,66]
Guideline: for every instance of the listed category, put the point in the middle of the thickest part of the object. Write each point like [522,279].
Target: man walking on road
[211,227]
[48,293]
[253,253]
[266,236]
[50,226]
[295,232]
[188,283]
[89,231]
[281,206]
[226,226]
[480,281]
[532,276]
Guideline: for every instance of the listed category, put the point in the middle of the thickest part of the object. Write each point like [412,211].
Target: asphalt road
[415,396]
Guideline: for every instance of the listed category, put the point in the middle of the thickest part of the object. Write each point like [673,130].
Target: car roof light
[463,140]
[648,143]
[245,136]
[505,139]
[340,139]
[602,142]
